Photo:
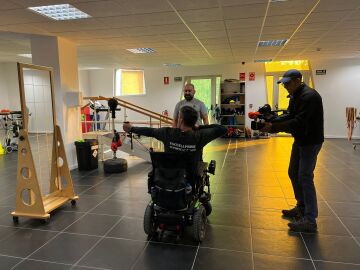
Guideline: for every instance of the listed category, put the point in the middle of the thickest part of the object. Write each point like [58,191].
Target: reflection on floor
[245,231]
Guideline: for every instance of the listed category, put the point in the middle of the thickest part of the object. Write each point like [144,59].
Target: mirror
[39,122]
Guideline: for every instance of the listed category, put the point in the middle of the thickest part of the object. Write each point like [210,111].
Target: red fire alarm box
[242,76]
[251,76]
[166,80]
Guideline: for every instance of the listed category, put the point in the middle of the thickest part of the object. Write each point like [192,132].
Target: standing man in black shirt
[305,122]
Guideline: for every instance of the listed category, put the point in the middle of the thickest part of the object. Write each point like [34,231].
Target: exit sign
[321,72]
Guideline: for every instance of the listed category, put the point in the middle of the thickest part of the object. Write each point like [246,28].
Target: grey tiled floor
[245,230]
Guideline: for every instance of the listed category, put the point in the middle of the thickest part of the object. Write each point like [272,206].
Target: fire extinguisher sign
[166,80]
[251,76]
[242,76]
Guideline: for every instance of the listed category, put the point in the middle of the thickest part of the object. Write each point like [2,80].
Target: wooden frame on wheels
[61,185]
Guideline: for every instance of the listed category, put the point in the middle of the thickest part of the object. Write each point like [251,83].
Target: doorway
[277,95]
[207,90]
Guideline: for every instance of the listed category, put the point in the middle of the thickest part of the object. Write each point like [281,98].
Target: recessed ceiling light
[262,60]
[141,50]
[92,68]
[172,65]
[268,43]
[26,55]
[60,12]
[274,1]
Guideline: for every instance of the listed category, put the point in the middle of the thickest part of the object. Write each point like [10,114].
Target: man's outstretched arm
[211,132]
[158,133]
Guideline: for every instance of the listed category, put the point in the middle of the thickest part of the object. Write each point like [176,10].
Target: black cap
[289,75]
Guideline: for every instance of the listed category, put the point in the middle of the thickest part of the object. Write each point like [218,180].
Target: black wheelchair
[180,194]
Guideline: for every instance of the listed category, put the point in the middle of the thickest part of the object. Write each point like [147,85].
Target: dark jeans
[301,172]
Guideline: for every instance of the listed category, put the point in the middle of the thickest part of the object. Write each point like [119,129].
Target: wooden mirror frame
[40,206]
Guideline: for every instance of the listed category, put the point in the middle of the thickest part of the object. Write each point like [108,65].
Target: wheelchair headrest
[170,174]
[169,160]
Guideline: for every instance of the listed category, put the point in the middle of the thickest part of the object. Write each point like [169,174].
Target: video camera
[265,114]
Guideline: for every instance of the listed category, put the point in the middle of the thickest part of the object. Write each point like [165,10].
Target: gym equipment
[115,165]
[29,200]
[356,143]
[178,198]
[233,132]
[350,120]
[12,123]
[265,114]
[118,165]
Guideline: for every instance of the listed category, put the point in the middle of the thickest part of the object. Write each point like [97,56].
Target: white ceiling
[189,32]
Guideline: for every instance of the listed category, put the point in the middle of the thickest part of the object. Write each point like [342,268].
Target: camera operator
[305,122]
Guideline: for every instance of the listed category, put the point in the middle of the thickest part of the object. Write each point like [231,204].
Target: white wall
[9,87]
[4,96]
[339,88]
[160,97]
[101,82]
[84,83]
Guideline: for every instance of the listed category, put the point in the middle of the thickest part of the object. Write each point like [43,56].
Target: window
[129,82]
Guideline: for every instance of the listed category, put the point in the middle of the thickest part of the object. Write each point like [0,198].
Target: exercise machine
[115,165]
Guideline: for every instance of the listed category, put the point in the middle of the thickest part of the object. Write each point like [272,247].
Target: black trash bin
[87,153]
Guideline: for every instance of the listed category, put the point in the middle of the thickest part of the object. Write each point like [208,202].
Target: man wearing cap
[305,122]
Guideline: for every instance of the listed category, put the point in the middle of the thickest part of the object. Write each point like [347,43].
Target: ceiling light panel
[262,60]
[141,50]
[60,12]
[172,65]
[26,55]
[269,43]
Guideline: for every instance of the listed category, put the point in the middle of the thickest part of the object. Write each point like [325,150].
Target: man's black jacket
[306,117]
[189,142]
[176,140]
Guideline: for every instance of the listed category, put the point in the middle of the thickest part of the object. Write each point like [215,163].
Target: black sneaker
[303,225]
[293,213]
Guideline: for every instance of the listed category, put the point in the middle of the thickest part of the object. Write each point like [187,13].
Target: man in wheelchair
[179,177]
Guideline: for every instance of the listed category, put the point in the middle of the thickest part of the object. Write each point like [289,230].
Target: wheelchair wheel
[199,224]
[208,208]
[149,224]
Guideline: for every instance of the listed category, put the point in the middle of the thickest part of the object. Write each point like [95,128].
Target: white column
[61,55]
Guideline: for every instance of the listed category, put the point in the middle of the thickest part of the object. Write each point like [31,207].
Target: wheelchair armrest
[212,167]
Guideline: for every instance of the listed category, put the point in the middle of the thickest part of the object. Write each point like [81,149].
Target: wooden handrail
[137,109]
[131,104]
[87,104]
[121,122]
[147,114]
[136,106]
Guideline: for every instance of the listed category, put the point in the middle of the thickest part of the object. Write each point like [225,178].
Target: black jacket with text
[189,142]
[176,140]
